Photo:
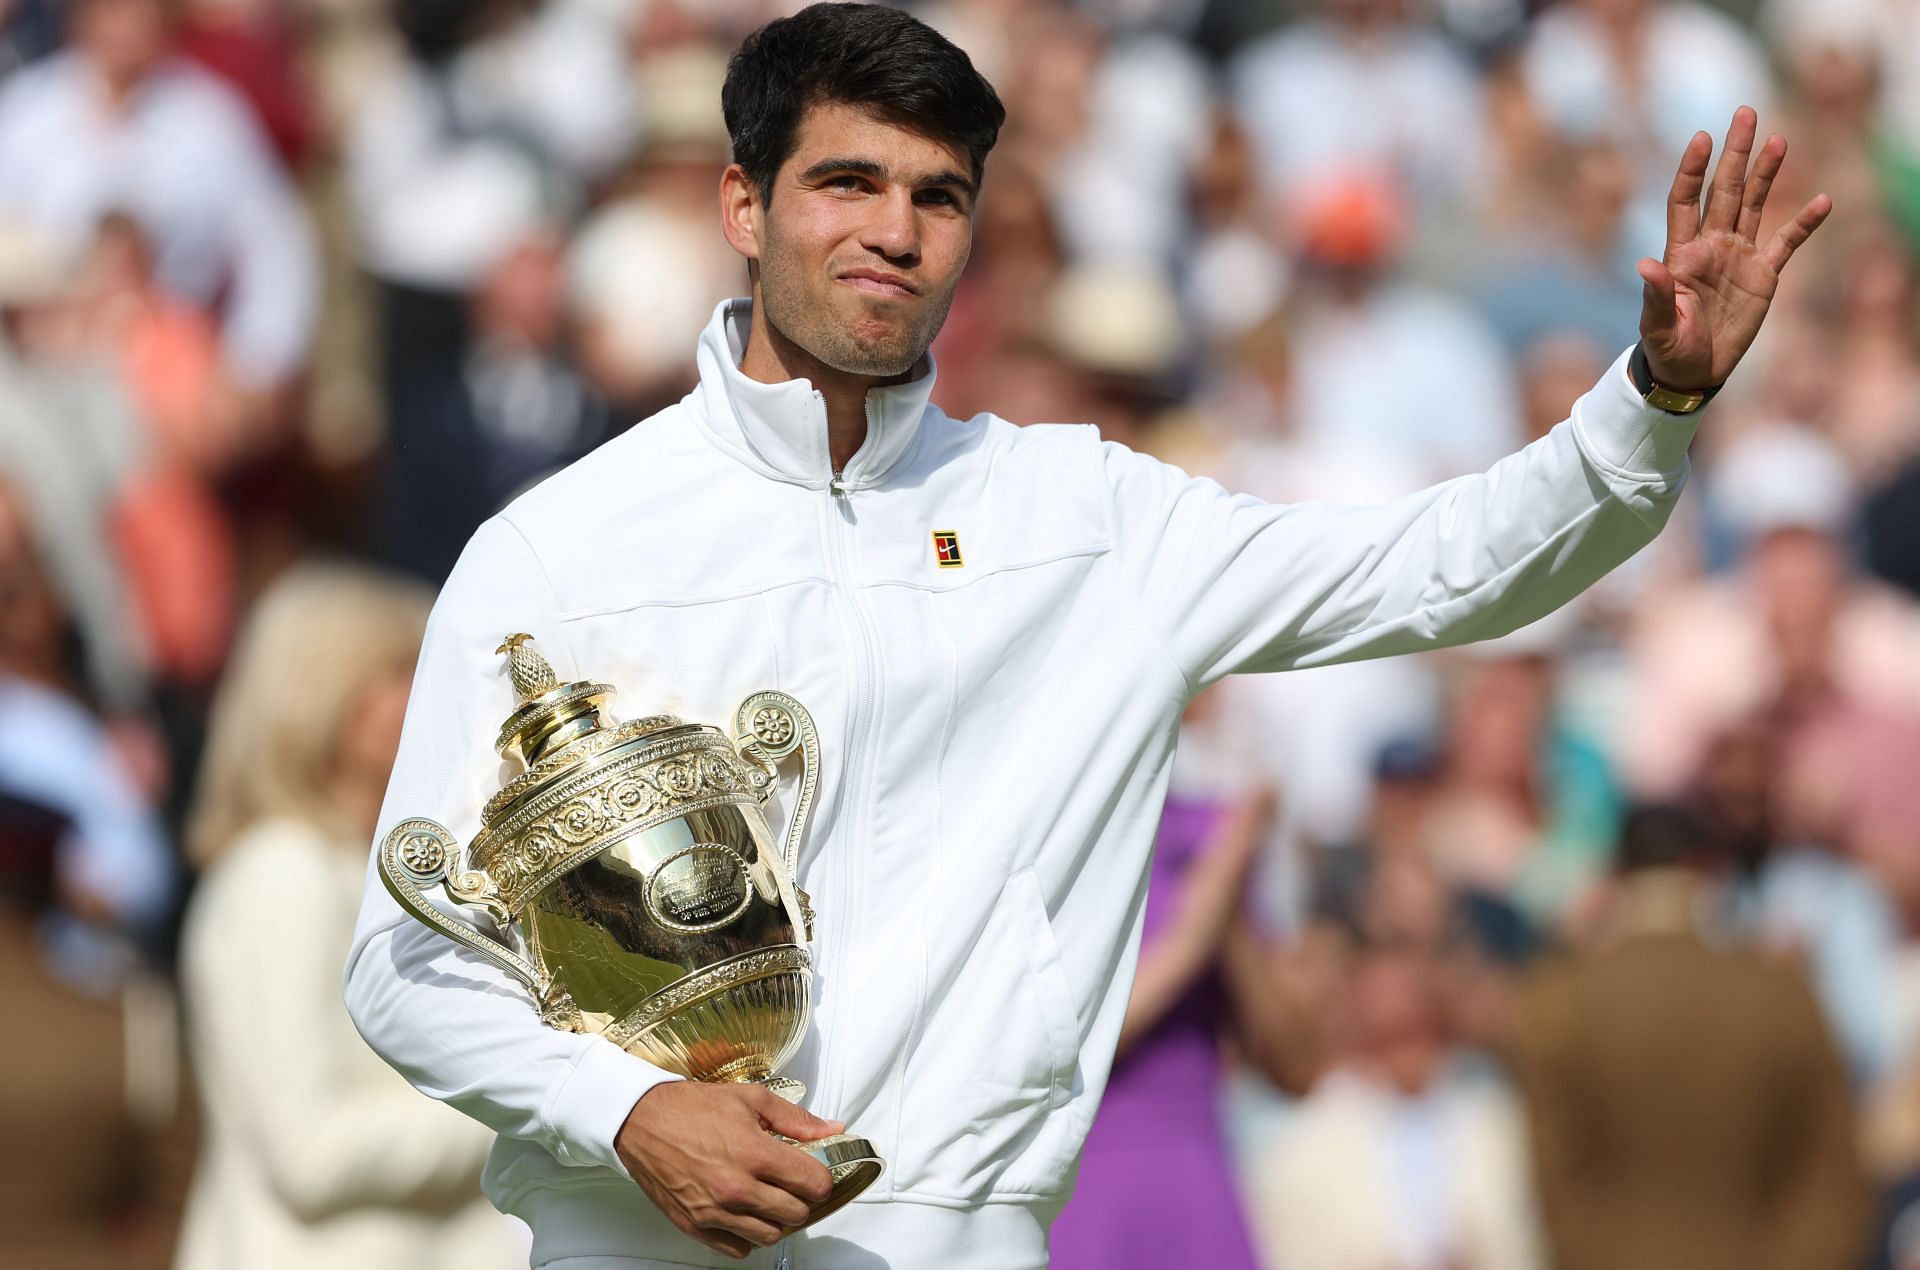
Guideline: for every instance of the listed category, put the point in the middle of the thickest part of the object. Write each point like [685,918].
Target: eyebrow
[868,167]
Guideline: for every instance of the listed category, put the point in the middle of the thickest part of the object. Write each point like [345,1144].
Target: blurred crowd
[1596,946]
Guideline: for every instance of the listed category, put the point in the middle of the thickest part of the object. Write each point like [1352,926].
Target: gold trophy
[632,867]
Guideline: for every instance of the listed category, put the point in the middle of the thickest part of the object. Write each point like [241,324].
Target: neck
[772,358]
[118,84]
[1655,901]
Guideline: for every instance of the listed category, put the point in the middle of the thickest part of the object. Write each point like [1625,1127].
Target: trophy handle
[767,727]
[420,853]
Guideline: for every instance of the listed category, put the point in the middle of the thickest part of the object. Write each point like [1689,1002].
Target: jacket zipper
[860,725]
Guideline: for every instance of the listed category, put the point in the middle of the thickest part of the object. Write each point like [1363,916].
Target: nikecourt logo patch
[946,549]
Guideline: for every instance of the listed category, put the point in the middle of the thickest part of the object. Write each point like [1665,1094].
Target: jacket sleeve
[454,1025]
[1232,583]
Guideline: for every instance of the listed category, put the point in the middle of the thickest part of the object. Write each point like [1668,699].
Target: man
[997,629]
[1689,1111]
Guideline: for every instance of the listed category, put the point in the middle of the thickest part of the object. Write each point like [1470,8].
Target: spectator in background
[69,436]
[82,1185]
[1644,72]
[470,149]
[1873,413]
[1809,896]
[1525,806]
[1792,628]
[1446,408]
[316,1153]
[1570,269]
[1154,1188]
[112,872]
[1403,1156]
[1116,120]
[489,415]
[174,538]
[1235,272]
[1687,1107]
[1361,88]
[645,269]
[115,123]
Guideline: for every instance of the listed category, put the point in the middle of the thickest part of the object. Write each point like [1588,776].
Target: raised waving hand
[1707,297]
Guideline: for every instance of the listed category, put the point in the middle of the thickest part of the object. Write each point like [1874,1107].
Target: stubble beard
[816,329]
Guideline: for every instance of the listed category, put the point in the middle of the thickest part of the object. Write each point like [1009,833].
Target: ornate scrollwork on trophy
[575,817]
[424,850]
[419,853]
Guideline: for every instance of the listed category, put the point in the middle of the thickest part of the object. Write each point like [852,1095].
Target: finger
[1759,185]
[781,1116]
[1787,240]
[1683,200]
[721,1241]
[748,1230]
[795,1172]
[1730,177]
[1658,311]
[773,1205]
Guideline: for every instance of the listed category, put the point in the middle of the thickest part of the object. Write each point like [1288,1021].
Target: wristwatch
[1671,400]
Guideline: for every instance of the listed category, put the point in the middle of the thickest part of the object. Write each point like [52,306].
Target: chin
[882,363]
[874,348]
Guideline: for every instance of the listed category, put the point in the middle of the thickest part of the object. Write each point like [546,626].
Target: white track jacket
[996,745]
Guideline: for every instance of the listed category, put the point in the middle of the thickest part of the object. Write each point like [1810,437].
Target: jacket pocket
[1049,982]
[999,1055]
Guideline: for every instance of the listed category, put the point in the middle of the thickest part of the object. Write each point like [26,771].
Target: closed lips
[877,284]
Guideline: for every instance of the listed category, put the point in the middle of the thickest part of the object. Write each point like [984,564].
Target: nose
[894,228]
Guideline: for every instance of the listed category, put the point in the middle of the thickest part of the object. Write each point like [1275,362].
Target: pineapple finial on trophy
[551,715]
[531,674]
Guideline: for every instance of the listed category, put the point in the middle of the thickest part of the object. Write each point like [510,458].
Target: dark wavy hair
[866,55]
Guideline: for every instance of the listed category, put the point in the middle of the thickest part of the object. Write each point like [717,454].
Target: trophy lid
[551,714]
[588,778]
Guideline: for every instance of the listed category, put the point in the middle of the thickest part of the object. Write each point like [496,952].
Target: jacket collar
[780,430]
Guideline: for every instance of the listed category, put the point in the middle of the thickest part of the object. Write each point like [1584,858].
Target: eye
[938,198]
[845,181]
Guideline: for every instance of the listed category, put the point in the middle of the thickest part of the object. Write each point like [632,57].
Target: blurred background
[1592,947]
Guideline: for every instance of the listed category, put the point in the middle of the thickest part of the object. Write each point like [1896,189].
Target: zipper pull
[842,497]
[784,1262]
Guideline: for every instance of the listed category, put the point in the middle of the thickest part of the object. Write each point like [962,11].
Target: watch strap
[1672,400]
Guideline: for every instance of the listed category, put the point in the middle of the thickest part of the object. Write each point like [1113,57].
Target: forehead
[839,130]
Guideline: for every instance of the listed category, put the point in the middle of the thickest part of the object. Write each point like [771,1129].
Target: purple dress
[1155,1189]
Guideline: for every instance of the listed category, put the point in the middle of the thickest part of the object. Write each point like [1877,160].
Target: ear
[740,211]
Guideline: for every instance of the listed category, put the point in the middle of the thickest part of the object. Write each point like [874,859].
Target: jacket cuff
[591,1105]
[1623,434]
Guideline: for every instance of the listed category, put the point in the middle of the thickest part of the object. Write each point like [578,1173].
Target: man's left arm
[1236,584]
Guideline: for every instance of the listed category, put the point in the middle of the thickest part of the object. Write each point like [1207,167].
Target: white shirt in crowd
[189,163]
[1320,104]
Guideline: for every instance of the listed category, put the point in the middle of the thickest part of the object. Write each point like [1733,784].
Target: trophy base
[852,1161]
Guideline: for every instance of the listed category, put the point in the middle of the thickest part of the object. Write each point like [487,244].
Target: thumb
[783,1117]
[1658,314]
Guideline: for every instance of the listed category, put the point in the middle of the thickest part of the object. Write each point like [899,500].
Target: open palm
[1705,300]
